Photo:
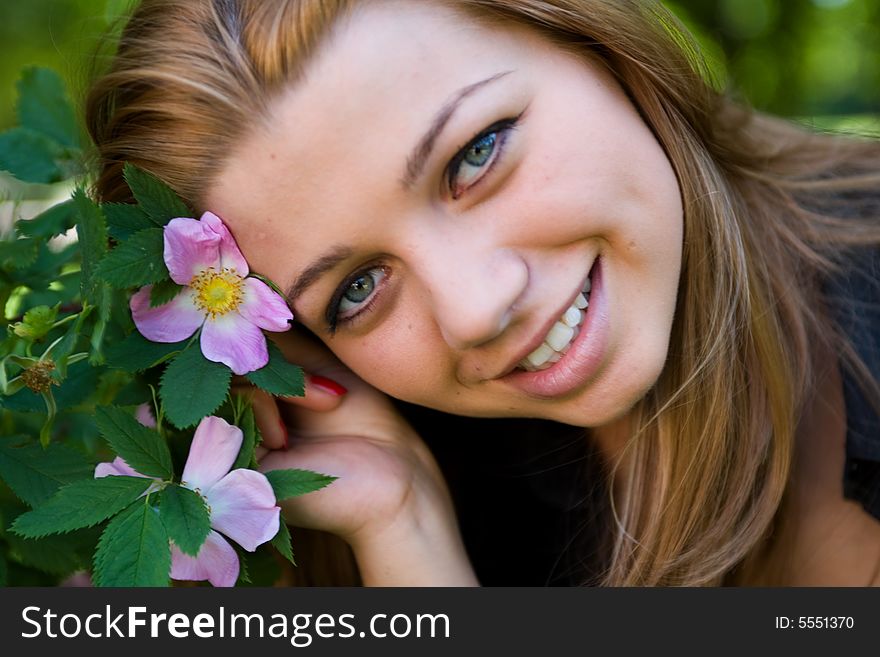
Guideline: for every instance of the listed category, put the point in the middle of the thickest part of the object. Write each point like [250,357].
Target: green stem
[97,340]
[75,358]
[50,347]
[12,386]
[51,409]
[159,411]
[62,322]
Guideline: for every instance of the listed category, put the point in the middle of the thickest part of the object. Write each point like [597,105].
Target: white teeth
[572,317]
[559,336]
[588,286]
[539,356]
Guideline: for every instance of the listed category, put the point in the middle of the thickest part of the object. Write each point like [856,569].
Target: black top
[855,301]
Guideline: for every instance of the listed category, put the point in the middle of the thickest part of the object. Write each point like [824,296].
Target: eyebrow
[415,163]
[317,269]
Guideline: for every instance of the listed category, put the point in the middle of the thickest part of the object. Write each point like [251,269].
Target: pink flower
[217,296]
[241,503]
[118,466]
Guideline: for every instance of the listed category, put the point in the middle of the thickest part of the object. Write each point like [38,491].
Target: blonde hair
[712,445]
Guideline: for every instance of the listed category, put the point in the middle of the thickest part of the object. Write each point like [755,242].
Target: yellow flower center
[217,292]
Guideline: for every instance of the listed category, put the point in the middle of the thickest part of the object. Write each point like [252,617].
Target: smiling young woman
[537,213]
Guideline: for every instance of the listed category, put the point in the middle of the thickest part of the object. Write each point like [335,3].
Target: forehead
[344,130]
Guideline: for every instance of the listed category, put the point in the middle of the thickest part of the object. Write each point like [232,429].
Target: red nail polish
[327,385]
[284,432]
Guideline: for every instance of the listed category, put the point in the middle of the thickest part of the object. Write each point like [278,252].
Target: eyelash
[501,129]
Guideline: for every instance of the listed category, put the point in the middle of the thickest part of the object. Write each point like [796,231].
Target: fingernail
[284,433]
[327,385]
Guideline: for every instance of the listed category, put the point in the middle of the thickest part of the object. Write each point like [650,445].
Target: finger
[322,394]
[268,417]
[260,452]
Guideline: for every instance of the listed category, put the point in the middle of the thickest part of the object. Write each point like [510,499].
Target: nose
[473,289]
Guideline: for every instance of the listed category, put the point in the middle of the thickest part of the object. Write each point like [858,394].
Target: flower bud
[38,377]
[36,324]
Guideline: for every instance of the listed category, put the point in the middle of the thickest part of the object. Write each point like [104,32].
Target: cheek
[400,360]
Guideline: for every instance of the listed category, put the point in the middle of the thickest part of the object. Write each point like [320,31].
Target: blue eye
[478,153]
[355,296]
[476,159]
[358,290]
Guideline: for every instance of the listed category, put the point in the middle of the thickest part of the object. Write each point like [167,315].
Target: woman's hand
[390,502]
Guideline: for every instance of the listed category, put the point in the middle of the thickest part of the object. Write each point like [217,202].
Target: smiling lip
[541,336]
[581,360]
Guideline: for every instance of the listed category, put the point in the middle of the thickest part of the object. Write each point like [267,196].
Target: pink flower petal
[79,579]
[190,247]
[144,414]
[236,342]
[230,255]
[171,322]
[243,508]
[216,562]
[264,307]
[116,467]
[214,449]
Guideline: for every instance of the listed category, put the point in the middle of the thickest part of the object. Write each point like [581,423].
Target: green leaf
[135,353]
[248,426]
[193,387]
[81,504]
[47,267]
[292,482]
[142,448]
[244,572]
[34,474]
[137,261]
[18,253]
[115,11]
[156,198]
[30,156]
[52,554]
[43,106]
[278,377]
[92,234]
[263,568]
[163,292]
[282,542]
[186,518]
[133,550]
[125,219]
[56,220]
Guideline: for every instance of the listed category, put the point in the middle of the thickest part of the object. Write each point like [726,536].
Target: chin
[612,397]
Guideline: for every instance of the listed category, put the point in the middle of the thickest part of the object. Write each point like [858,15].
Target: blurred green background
[817,60]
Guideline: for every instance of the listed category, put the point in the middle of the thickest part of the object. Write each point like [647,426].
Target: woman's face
[435,194]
